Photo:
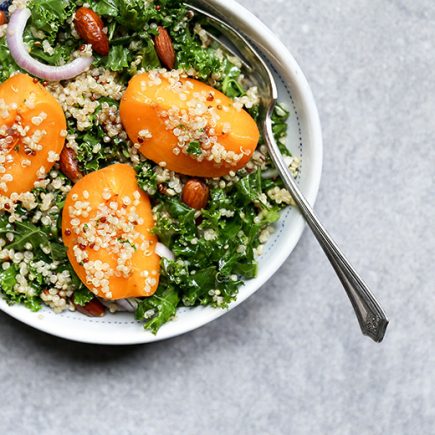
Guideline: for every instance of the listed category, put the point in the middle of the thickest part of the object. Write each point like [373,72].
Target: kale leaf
[280,118]
[61,54]
[82,296]
[146,177]
[231,85]
[191,54]
[93,152]
[107,8]
[118,58]
[159,308]
[46,247]
[39,237]
[214,254]
[7,287]
[7,62]
[50,15]
[135,14]
[149,57]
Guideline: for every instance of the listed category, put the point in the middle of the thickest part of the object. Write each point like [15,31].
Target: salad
[133,174]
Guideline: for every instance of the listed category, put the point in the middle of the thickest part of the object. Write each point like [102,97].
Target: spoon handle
[371,317]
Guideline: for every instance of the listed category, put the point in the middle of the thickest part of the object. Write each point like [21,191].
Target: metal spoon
[371,317]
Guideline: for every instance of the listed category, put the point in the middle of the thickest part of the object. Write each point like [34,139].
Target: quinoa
[79,98]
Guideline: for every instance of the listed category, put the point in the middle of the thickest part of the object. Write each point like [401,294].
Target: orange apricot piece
[106,227]
[32,133]
[186,125]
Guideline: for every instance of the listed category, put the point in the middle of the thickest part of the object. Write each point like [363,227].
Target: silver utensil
[371,317]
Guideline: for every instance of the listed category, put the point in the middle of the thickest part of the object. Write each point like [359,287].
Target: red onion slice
[17,24]
[164,252]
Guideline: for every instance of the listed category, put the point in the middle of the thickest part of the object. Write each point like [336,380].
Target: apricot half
[186,125]
[106,227]
[32,133]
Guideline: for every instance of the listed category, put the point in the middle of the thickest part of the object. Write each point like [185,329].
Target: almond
[69,164]
[3,18]
[195,194]
[92,309]
[165,48]
[90,26]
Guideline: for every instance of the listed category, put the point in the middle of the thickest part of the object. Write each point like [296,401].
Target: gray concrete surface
[291,359]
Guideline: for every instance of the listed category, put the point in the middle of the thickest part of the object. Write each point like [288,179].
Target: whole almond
[165,48]
[69,164]
[90,26]
[92,309]
[3,18]
[195,194]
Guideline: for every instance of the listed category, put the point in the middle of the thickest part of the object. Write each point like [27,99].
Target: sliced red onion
[164,252]
[17,24]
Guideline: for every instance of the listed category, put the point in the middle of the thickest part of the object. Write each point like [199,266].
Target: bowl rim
[275,49]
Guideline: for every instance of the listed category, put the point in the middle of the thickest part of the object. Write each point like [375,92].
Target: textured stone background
[291,359]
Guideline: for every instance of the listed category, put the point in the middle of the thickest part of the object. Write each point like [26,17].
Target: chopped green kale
[7,287]
[158,309]
[51,15]
[83,296]
[146,177]
[279,121]
[214,254]
[7,63]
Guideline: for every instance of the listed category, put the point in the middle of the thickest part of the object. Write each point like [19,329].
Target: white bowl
[304,140]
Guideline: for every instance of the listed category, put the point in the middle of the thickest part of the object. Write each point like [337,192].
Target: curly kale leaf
[136,14]
[159,308]
[47,247]
[231,85]
[50,15]
[93,153]
[214,254]
[146,177]
[149,57]
[107,8]
[133,14]
[123,58]
[280,118]
[131,27]
[8,281]
[118,58]
[39,237]
[82,296]
[61,54]
[7,62]
[191,54]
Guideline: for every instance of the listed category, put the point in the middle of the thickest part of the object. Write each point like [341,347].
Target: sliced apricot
[32,133]
[186,125]
[106,227]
